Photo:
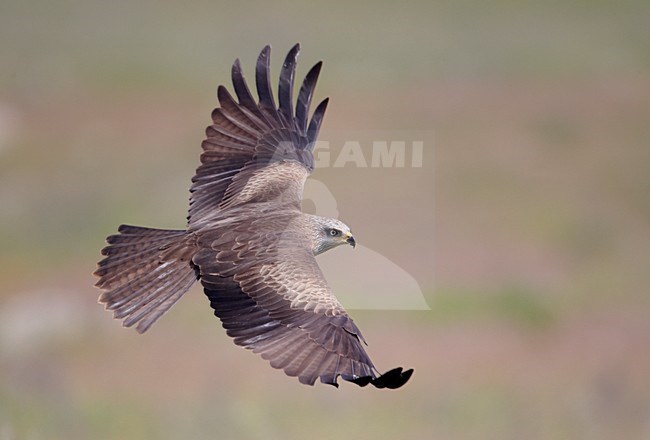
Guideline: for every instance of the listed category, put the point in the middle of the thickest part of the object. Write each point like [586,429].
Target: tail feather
[145,272]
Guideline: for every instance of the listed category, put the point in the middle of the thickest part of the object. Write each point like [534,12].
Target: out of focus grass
[527,227]
[514,304]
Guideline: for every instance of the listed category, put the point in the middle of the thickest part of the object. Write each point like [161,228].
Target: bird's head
[330,233]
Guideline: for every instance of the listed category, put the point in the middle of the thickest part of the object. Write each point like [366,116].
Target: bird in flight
[248,242]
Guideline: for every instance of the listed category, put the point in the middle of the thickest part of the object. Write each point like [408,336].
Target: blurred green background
[528,227]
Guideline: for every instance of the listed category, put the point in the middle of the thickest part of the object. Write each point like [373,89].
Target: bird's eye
[334,232]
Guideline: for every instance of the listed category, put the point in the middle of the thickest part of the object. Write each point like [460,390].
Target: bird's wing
[257,151]
[272,298]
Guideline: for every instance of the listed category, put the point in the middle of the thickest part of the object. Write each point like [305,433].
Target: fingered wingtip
[266,50]
[285,88]
[391,379]
[292,55]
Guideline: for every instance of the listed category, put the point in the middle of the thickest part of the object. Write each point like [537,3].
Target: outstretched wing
[272,298]
[256,151]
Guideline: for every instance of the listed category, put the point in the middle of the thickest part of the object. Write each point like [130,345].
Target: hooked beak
[351,241]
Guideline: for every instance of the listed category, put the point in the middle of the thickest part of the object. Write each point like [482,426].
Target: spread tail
[145,272]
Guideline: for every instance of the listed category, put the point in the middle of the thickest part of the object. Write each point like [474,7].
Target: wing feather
[225,126]
[244,96]
[248,139]
[285,88]
[263,82]
[316,121]
[304,97]
[238,115]
[279,305]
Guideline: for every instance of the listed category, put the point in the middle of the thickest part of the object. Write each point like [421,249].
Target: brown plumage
[248,242]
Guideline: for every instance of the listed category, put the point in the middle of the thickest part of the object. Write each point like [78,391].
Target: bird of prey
[248,242]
